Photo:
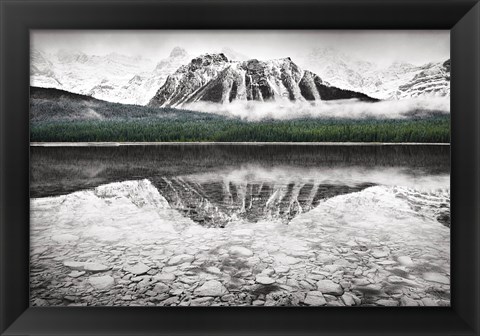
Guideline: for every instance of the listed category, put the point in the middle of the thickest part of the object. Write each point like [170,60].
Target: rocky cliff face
[433,80]
[213,78]
[181,85]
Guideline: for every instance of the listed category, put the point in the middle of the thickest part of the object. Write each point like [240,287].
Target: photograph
[240,168]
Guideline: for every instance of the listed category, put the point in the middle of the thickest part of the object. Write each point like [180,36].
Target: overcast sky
[381,46]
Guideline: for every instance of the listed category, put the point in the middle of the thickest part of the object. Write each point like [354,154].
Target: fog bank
[339,109]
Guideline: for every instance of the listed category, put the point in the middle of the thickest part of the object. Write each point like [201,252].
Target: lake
[240,225]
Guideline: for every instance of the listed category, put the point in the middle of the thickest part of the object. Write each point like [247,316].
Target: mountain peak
[208,59]
[286,60]
[213,78]
[178,52]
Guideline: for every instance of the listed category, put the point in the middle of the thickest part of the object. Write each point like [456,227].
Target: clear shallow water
[240,225]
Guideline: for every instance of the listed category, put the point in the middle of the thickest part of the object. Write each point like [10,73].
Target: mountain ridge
[349,72]
[214,78]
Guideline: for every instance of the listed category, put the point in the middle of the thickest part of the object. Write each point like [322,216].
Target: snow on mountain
[143,86]
[433,80]
[135,80]
[188,78]
[214,78]
[112,77]
[347,72]
[41,71]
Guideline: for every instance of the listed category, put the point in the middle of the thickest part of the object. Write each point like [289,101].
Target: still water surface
[240,225]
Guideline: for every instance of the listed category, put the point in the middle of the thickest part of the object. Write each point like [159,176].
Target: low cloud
[339,109]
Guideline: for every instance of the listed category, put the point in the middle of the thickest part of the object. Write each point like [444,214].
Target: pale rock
[387,303]
[292,282]
[144,283]
[165,277]
[329,287]
[429,302]
[286,260]
[332,268]
[213,270]
[405,301]
[282,269]
[95,267]
[343,262]
[395,279]
[436,277]
[350,299]
[335,304]
[386,262]
[76,274]
[170,301]
[240,251]
[160,288]
[228,297]
[76,265]
[361,282]
[306,285]
[40,302]
[314,298]
[180,259]
[329,297]
[211,288]
[202,301]
[345,284]
[264,280]
[380,253]
[137,269]
[405,261]
[101,282]
[268,272]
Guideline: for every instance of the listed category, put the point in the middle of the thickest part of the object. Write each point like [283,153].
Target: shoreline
[118,144]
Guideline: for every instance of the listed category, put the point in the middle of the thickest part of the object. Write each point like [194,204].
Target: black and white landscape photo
[240,168]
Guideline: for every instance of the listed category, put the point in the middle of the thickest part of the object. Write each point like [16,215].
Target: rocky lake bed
[122,244]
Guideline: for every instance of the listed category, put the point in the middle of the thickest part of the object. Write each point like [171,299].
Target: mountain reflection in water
[215,184]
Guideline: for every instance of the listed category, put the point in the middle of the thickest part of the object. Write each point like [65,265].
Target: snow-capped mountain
[434,80]
[347,72]
[41,71]
[112,77]
[338,68]
[214,78]
[135,80]
[143,86]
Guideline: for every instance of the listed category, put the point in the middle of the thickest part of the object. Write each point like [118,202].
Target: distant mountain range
[229,75]
[390,82]
[113,77]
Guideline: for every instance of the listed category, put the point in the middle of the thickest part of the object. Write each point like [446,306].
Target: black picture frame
[17,17]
